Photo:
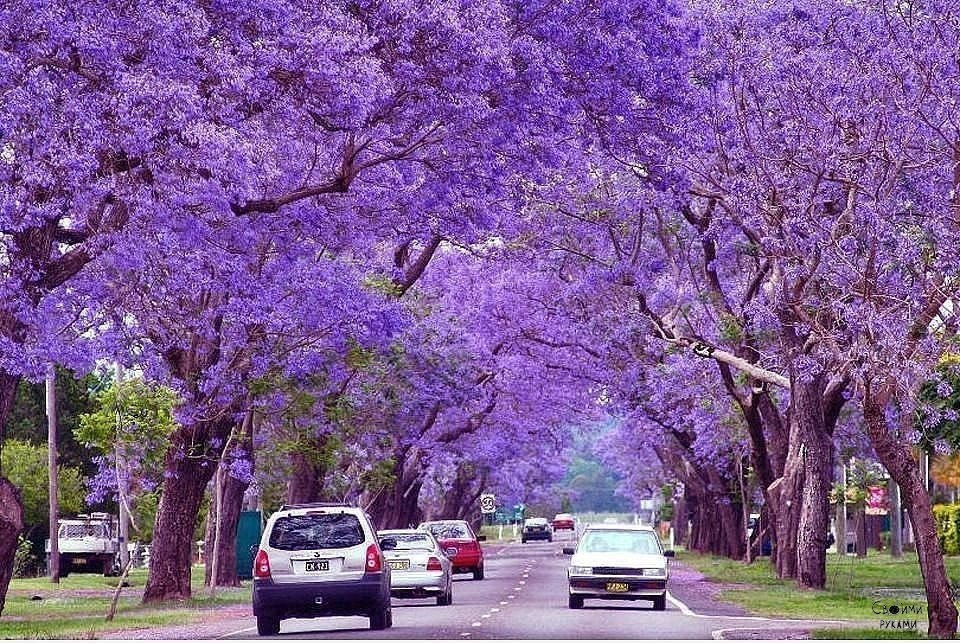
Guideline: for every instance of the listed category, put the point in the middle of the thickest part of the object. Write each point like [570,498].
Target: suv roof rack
[315,505]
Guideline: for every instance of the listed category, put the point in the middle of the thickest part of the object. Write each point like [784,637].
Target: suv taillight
[261,565]
[374,560]
[433,565]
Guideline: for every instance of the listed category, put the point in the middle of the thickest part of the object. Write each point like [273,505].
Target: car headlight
[655,571]
[581,571]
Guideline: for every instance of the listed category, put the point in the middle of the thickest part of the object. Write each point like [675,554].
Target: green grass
[865,634]
[853,584]
[77,607]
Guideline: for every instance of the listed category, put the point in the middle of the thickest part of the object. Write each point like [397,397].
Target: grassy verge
[864,633]
[857,589]
[77,607]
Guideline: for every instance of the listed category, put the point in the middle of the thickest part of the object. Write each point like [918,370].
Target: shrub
[24,562]
[947,519]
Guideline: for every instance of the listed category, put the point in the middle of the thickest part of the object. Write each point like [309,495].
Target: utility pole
[123,538]
[51,399]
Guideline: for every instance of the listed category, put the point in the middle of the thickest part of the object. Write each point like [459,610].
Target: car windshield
[610,540]
[316,531]
[411,541]
[448,530]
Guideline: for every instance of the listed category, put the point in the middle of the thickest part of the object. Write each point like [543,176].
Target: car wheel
[268,625]
[381,618]
[478,573]
[446,598]
[576,602]
[660,603]
[523,541]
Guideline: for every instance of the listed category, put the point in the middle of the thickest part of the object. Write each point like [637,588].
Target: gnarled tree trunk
[186,474]
[231,506]
[11,505]
[11,524]
[397,506]
[898,459]
[801,496]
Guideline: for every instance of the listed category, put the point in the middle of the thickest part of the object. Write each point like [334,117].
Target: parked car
[562,521]
[459,543]
[418,566]
[536,529]
[320,559]
[620,562]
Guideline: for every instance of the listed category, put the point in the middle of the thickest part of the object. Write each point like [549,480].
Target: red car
[562,521]
[459,543]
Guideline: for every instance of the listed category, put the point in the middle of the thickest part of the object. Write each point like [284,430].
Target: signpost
[488,503]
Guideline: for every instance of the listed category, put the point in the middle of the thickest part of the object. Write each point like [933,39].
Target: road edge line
[229,634]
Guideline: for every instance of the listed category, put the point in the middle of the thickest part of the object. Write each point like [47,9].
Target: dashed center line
[476,624]
[504,602]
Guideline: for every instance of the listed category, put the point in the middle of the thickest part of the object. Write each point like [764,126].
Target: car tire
[660,603]
[575,602]
[478,573]
[523,541]
[381,618]
[446,598]
[268,625]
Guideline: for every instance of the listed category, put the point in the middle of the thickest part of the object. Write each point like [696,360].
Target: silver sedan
[418,566]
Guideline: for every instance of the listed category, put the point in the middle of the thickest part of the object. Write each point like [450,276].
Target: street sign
[488,503]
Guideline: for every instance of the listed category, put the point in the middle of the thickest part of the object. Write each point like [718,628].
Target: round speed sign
[488,503]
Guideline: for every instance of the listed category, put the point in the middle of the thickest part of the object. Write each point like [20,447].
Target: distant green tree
[26,466]
[594,487]
[28,419]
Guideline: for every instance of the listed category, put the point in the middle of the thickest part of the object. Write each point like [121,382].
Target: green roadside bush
[947,519]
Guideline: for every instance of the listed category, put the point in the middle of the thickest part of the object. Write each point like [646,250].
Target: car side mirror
[670,553]
[569,551]
[481,538]
[386,544]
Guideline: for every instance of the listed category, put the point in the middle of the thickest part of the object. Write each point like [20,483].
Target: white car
[618,562]
[320,559]
[418,566]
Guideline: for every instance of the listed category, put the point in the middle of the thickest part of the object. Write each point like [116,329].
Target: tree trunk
[861,529]
[233,492]
[801,497]
[397,506]
[185,480]
[306,480]
[898,459]
[11,524]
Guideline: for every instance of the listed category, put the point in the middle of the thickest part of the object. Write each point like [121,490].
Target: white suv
[320,559]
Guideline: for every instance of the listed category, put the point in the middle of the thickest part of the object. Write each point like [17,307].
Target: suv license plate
[618,587]
[399,564]
[317,566]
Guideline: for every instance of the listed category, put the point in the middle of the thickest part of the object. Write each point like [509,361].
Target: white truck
[88,543]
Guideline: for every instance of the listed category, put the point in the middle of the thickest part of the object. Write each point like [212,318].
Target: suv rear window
[316,531]
[449,530]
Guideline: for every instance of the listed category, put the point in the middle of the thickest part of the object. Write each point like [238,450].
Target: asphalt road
[524,596]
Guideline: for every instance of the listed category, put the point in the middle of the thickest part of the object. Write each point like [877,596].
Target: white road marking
[689,612]
[517,589]
[494,609]
[226,636]
[477,624]
[484,616]
[512,596]
[504,602]
[523,582]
